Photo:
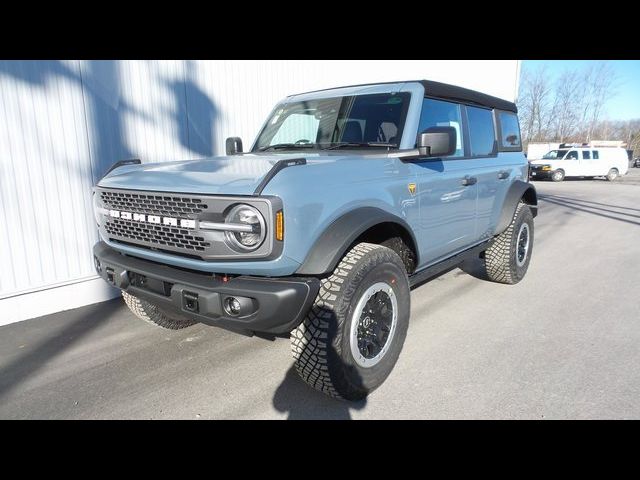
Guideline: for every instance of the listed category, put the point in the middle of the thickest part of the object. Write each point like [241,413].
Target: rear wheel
[612,175]
[507,259]
[352,337]
[151,313]
[558,175]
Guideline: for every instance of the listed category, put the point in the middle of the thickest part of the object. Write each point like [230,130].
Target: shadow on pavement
[582,207]
[302,402]
[36,357]
[590,202]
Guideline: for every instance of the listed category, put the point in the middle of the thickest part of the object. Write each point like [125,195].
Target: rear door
[588,164]
[599,163]
[495,171]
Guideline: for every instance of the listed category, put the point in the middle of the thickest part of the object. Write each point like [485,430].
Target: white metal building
[63,123]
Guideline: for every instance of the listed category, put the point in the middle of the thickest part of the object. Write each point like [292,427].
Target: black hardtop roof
[449,92]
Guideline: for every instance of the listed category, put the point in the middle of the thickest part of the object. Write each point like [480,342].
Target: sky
[625,105]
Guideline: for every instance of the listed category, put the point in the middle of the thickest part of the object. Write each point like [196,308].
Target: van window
[586,155]
[436,113]
[482,136]
[509,130]
[554,155]
[596,155]
[572,155]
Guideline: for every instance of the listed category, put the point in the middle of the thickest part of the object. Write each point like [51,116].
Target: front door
[447,190]
[571,164]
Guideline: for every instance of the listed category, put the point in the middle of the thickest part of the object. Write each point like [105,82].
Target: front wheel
[352,337]
[612,175]
[557,176]
[154,315]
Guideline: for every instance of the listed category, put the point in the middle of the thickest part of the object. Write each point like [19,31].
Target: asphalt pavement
[563,343]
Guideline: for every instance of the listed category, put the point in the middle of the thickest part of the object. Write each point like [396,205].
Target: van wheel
[612,175]
[507,259]
[352,337]
[558,175]
[150,313]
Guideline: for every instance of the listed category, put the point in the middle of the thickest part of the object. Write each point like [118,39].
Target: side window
[509,131]
[436,113]
[482,135]
[297,126]
[572,155]
[586,155]
[596,155]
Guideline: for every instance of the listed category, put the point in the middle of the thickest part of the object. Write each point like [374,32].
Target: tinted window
[596,155]
[349,122]
[481,133]
[586,155]
[436,113]
[572,155]
[509,130]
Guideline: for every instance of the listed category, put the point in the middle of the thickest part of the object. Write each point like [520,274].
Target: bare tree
[534,103]
[602,89]
[565,112]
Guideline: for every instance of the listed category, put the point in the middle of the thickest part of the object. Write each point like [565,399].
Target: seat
[352,132]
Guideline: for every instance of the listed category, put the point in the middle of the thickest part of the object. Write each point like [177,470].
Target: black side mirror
[437,142]
[233,145]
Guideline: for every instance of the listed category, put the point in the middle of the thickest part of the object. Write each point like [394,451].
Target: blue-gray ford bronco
[348,198]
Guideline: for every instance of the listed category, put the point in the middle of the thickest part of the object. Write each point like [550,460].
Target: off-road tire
[500,258]
[613,174]
[557,176]
[320,344]
[150,313]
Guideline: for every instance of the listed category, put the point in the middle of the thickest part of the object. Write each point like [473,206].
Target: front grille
[152,204]
[169,222]
[157,234]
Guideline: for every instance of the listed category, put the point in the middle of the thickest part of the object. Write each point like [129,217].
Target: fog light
[96,262]
[232,306]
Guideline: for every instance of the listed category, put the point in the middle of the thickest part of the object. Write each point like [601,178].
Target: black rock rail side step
[433,270]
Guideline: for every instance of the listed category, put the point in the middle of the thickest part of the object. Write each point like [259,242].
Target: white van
[588,162]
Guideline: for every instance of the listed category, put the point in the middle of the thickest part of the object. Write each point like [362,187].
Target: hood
[231,175]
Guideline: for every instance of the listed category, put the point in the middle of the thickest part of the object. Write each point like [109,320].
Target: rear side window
[436,113]
[482,136]
[509,131]
[596,155]
[586,155]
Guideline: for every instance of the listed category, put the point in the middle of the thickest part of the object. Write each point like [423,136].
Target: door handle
[502,174]
[467,180]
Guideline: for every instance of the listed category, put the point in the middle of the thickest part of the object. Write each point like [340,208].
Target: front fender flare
[332,245]
[517,191]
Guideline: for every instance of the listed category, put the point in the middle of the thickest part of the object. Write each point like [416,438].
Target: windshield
[555,154]
[361,121]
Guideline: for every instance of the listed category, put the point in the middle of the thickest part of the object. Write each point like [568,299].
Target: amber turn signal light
[279,225]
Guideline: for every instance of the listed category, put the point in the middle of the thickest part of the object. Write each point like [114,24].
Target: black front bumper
[536,174]
[270,305]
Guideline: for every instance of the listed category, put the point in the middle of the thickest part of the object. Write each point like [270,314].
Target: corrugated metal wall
[63,123]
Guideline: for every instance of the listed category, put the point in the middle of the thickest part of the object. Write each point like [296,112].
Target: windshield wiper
[280,146]
[361,144]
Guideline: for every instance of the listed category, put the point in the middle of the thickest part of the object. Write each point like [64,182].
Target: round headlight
[96,208]
[248,238]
